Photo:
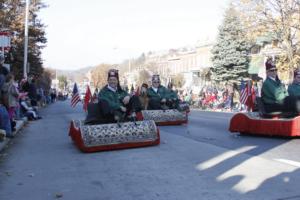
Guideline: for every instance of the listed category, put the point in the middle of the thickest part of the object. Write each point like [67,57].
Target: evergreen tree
[12,17]
[230,53]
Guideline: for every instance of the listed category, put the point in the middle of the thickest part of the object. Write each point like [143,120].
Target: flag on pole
[247,95]
[251,97]
[244,92]
[87,98]
[75,96]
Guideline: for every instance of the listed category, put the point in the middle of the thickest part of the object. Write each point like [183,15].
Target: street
[201,160]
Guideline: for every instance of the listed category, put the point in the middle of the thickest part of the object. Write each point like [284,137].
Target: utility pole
[26,39]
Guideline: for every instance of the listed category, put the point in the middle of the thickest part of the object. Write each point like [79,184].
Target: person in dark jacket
[157,95]
[32,92]
[173,99]
[294,88]
[115,104]
[274,94]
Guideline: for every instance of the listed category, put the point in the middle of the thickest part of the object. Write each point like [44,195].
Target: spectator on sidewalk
[4,117]
[29,111]
[32,92]
[53,95]
[24,85]
[12,95]
[4,121]
[3,74]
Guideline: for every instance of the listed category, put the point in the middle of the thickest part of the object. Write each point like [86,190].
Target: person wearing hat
[294,88]
[274,95]
[273,91]
[116,104]
[157,95]
[173,100]
[172,92]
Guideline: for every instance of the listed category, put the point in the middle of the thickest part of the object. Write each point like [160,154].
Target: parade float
[93,134]
[265,124]
[103,137]
[165,117]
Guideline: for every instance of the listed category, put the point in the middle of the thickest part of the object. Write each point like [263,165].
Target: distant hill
[75,75]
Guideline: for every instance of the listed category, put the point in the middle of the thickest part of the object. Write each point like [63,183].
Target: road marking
[290,162]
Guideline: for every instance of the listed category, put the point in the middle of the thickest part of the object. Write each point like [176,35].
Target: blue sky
[85,33]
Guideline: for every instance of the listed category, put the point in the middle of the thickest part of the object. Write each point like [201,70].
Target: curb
[19,125]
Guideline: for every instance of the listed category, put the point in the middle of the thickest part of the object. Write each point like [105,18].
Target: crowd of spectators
[210,98]
[19,99]
[217,98]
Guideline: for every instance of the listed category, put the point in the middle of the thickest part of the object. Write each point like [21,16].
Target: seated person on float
[114,103]
[159,96]
[274,94]
[294,88]
[173,99]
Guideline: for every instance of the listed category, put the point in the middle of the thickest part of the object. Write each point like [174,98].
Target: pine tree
[12,17]
[230,53]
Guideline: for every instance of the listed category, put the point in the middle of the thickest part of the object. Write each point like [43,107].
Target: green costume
[273,92]
[172,94]
[162,93]
[155,98]
[294,89]
[114,99]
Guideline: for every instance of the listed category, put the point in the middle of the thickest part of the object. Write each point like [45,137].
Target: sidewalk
[19,125]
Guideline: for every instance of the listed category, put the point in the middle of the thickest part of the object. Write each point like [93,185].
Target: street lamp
[26,39]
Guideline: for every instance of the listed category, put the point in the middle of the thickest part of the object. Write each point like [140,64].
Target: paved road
[212,128]
[198,161]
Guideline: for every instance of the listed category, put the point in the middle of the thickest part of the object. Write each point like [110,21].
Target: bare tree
[99,75]
[144,77]
[280,17]
[178,80]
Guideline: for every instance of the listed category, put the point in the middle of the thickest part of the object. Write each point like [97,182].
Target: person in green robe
[114,103]
[158,95]
[294,88]
[173,99]
[274,94]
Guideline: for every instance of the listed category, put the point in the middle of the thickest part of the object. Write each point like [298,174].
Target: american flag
[247,95]
[75,96]
[245,91]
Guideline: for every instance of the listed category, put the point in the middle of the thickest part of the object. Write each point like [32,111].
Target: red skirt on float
[253,123]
